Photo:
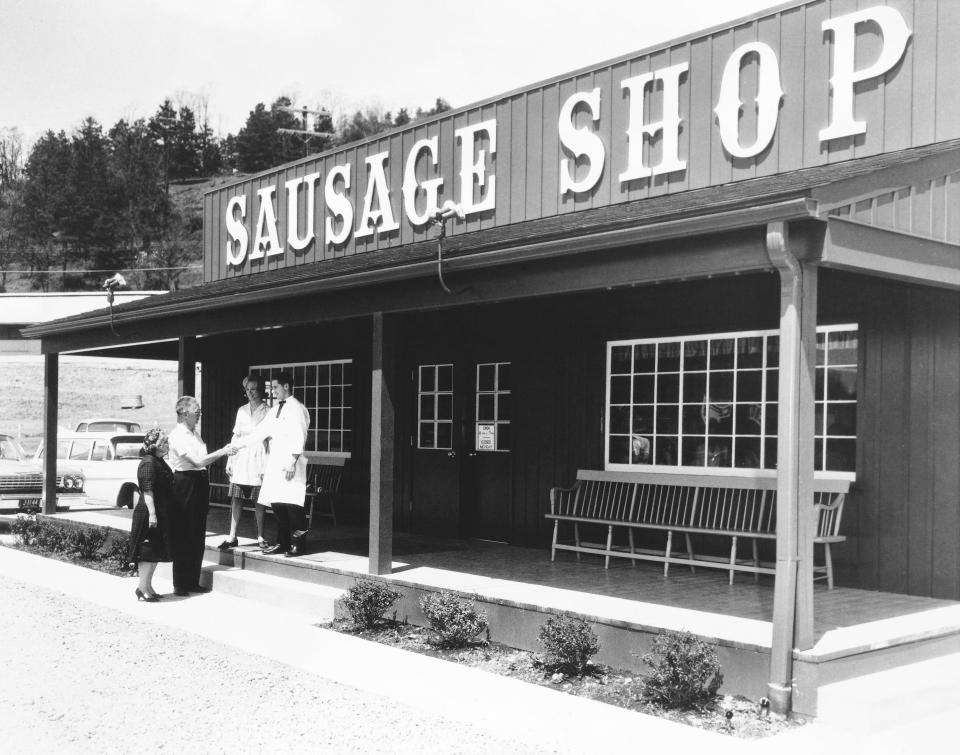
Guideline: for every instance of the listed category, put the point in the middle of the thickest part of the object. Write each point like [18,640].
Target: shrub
[569,644]
[51,536]
[455,621]
[685,671]
[25,529]
[116,552]
[367,600]
[86,542]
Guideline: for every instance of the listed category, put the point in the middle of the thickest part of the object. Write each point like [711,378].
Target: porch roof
[803,194]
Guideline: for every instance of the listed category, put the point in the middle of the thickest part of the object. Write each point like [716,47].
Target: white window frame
[496,393]
[266,371]
[435,393]
[682,340]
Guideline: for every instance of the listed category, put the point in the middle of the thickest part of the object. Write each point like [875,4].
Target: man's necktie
[280,406]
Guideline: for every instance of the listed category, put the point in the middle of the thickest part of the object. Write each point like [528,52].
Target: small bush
[685,671]
[569,644]
[455,621]
[367,600]
[25,529]
[87,541]
[51,536]
[116,552]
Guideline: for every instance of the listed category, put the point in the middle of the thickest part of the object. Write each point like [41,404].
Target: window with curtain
[326,389]
[710,401]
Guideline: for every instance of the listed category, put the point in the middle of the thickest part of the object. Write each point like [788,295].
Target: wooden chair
[324,476]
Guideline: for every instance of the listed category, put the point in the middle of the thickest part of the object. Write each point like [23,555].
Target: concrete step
[312,601]
[887,700]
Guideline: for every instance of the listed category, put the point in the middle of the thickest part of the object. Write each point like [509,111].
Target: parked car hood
[10,466]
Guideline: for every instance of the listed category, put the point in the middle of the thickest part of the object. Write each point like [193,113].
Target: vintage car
[108,460]
[108,425]
[21,479]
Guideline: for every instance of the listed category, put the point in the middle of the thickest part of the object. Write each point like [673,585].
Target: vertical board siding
[930,209]
[919,458]
[915,103]
[903,521]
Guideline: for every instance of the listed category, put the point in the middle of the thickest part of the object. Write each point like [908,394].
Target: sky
[62,61]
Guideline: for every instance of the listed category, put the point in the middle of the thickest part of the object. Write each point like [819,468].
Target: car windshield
[9,449]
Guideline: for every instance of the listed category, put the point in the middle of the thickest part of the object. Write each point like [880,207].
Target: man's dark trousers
[191,493]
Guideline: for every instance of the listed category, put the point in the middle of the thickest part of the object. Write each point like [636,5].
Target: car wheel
[125,496]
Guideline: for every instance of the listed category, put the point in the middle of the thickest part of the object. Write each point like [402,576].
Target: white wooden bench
[737,507]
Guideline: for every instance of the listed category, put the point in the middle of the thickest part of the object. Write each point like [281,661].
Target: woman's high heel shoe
[146,598]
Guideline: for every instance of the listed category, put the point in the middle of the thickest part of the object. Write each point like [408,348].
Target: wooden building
[742,247]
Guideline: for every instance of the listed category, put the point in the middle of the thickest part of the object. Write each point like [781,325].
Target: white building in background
[19,310]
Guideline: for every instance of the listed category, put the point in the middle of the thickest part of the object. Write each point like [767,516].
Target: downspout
[798,293]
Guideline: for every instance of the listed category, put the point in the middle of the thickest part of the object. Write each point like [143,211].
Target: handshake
[230,449]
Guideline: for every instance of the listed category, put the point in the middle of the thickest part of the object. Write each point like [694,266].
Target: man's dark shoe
[274,550]
[294,552]
[181,593]
[201,588]
[298,534]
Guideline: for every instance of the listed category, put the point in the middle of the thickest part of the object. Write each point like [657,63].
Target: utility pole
[305,133]
[167,123]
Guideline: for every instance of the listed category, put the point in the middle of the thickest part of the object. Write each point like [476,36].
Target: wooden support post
[51,380]
[382,445]
[186,366]
[793,590]
[733,558]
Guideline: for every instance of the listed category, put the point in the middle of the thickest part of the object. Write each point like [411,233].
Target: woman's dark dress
[151,543]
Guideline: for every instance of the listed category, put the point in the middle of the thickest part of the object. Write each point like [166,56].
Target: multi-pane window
[835,421]
[493,407]
[435,406]
[326,389]
[711,401]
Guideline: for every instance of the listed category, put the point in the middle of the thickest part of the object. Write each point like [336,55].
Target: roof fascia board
[793,209]
[737,252]
[850,245]
[897,176]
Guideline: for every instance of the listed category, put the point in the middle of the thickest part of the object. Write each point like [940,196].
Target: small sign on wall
[486,437]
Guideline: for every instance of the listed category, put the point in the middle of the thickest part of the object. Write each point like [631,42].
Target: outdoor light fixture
[110,285]
[447,210]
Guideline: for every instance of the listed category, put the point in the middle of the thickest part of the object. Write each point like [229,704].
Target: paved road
[81,678]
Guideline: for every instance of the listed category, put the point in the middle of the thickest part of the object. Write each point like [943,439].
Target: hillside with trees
[76,208]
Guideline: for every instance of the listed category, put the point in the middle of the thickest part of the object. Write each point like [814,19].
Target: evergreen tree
[256,141]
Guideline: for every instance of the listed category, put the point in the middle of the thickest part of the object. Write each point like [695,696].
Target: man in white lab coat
[285,470]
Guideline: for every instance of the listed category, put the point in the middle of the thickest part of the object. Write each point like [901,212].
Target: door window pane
[493,411]
[435,406]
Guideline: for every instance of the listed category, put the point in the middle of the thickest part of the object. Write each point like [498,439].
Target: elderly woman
[150,526]
[189,460]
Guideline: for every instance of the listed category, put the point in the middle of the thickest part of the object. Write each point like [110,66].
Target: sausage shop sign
[431,170]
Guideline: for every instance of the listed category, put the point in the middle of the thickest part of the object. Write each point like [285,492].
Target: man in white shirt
[285,472]
[188,458]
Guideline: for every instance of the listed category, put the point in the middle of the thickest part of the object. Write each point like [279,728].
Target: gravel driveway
[86,679]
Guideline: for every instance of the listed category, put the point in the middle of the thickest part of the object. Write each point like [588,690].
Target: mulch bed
[726,714]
